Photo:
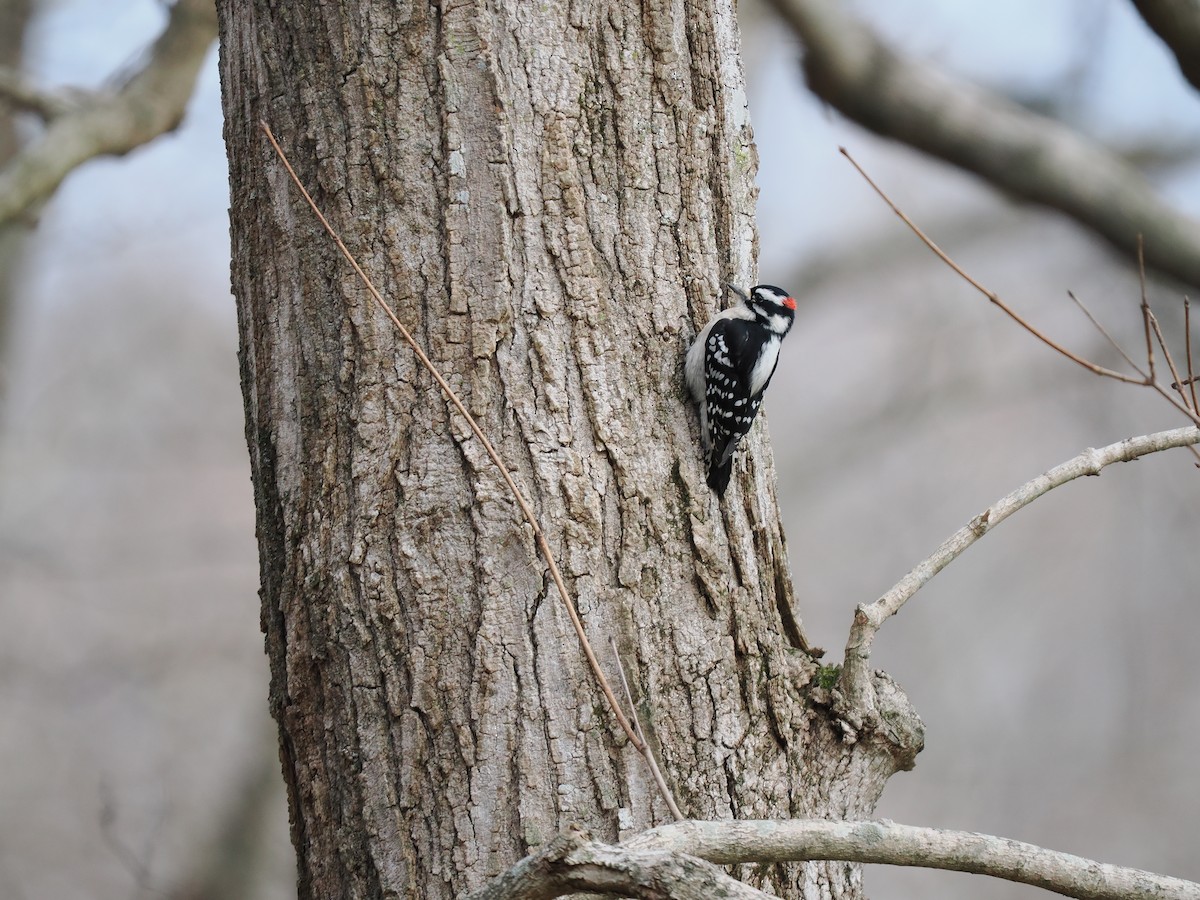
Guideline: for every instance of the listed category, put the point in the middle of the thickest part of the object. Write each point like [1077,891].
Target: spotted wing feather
[733,392]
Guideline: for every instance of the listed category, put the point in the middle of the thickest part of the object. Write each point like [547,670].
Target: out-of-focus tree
[1026,154]
[83,124]
[65,127]
[79,125]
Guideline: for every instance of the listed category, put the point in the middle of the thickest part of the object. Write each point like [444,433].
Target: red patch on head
[789,302]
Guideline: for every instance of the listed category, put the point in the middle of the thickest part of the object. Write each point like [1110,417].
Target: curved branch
[679,861]
[572,862]
[1025,154]
[855,680]
[150,103]
[20,92]
[1177,22]
[906,845]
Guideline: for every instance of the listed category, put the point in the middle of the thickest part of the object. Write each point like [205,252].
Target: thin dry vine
[630,732]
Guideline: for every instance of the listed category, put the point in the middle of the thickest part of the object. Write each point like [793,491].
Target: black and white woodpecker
[728,368]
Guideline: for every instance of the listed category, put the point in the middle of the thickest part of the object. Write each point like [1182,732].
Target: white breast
[765,366]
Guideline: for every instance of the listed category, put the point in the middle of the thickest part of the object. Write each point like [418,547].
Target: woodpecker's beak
[741,292]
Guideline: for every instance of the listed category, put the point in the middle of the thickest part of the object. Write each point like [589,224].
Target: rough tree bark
[551,194]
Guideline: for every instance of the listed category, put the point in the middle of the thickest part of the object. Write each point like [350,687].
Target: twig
[539,536]
[574,863]
[1151,322]
[855,679]
[746,841]
[1145,381]
[662,784]
[1187,337]
[1167,355]
[625,686]
[1146,314]
[1104,331]
[991,295]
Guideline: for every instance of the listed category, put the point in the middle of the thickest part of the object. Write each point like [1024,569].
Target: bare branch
[677,861]
[1151,321]
[990,294]
[1187,336]
[1149,380]
[1146,314]
[1018,151]
[1108,337]
[855,680]
[21,93]
[905,845]
[1162,342]
[1157,153]
[1177,22]
[572,862]
[150,103]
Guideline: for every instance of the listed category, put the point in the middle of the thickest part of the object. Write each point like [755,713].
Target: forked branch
[79,128]
[573,862]
[855,699]
[1030,156]
[1144,379]
[855,679]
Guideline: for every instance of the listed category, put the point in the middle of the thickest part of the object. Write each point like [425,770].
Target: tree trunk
[551,195]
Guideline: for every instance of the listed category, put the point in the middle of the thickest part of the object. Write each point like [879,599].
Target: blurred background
[1052,664]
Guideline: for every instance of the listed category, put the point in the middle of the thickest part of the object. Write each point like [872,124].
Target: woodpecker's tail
[718,474]
[720,461]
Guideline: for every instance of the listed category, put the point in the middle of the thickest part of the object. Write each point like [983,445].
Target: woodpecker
[728,368]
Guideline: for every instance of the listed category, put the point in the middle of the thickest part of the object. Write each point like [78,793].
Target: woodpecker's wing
[734,369]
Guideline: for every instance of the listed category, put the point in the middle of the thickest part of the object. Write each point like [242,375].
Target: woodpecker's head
[773,306]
